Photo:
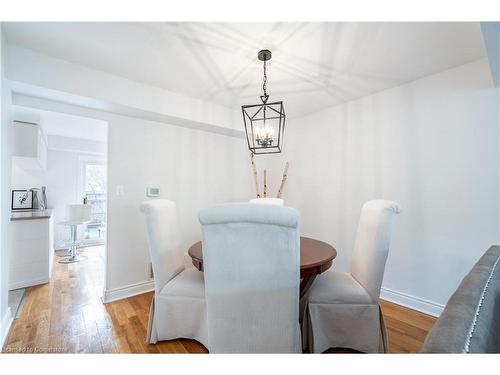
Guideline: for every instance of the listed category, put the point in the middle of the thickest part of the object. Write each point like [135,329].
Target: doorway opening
[69,164]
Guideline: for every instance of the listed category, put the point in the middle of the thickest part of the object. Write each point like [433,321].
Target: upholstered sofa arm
[470,322]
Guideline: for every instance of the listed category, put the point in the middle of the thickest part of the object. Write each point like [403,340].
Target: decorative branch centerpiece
[255,174]
[283,180]
[254,169]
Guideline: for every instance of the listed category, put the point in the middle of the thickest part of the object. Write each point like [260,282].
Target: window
[95,192]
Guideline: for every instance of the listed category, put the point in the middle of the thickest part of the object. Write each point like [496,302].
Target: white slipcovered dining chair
[178,308]
[251,261]
[342,308]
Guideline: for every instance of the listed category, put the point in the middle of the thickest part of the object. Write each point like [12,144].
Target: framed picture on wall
[22,200]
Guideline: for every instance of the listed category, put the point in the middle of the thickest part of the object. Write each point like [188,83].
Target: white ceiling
[64,125]
[314,65]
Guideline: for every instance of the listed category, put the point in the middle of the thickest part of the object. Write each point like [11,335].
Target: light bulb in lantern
[268,131]
[264,134]
[262,131]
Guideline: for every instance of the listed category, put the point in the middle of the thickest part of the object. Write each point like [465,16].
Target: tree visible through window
[95,192]
[95,178]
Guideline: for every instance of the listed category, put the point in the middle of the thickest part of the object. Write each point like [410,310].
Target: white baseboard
[5,327]
[128,291]
[27,283]
[415,303]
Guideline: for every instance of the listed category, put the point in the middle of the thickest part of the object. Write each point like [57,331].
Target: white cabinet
[30,146]
[32,251]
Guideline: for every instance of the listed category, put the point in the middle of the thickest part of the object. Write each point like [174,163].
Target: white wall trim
[28,283]
[128,291]
[412,302]
[5,327]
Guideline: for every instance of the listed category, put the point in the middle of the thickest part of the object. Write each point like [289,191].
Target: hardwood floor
[67,316]
[406,328]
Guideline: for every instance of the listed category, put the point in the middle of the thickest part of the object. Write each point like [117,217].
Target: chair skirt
[173,317]
[355,326]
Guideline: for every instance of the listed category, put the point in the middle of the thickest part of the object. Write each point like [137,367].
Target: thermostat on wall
[153,191]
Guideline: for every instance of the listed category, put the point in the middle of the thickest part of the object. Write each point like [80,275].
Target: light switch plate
[153,191]
[120,190]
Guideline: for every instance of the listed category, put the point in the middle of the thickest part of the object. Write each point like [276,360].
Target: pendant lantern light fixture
[265,122]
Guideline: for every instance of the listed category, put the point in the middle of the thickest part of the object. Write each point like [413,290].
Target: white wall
[26,179]
[5,156]
[194,168]
[430,145]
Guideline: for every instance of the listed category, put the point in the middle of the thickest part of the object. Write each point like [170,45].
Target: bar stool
[76,214]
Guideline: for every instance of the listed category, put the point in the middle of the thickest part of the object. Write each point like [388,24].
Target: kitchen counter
[31,215]
[32,244]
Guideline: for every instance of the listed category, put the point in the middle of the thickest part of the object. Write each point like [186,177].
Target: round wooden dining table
[315,257]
